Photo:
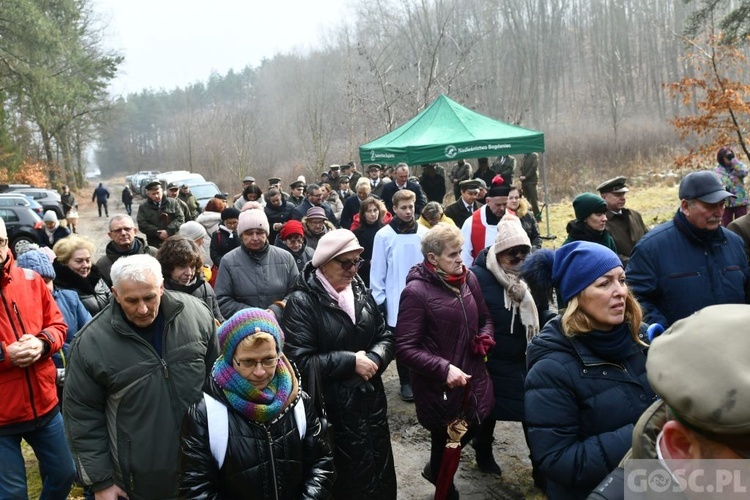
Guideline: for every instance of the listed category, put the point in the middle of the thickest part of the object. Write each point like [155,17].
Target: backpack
[218,425]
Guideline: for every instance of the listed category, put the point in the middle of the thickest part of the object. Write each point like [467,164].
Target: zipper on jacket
[273,463]
[27,375]
[164,367]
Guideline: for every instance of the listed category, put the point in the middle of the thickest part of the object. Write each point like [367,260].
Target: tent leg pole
[546,195]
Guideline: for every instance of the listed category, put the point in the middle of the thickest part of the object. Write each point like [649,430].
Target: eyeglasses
[295,239]
[121,230]
[348,264]
[251,363]
[516,251]
[3,242]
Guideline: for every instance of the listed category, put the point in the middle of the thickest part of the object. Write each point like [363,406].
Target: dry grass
[656,204]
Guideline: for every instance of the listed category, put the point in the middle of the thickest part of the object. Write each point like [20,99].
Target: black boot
[482,444]
[485,459]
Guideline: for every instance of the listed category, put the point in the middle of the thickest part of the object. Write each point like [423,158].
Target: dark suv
[48,198]
[22,225]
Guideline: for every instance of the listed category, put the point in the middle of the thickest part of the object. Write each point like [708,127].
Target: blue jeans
[55,462]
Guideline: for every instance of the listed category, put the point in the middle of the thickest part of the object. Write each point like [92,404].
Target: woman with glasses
[516,319]
[272,444]
[292,239]
[586,386]
[74,270]
[443,333]
[590,223]
[338,339]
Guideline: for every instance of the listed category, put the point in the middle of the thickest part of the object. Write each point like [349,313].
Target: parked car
[204,191]
[21,200]
[135,179]
[48,198]
[22,225]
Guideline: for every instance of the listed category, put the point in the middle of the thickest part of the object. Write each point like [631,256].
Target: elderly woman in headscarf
[182,265]
[515,317]
[273,444]
[586,386]
[338,338]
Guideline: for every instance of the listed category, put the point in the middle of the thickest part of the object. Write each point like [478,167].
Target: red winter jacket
[27,306]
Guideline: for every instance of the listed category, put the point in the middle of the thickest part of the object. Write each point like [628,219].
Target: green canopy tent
[447,131]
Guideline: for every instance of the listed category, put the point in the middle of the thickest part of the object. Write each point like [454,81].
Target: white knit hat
[510,233]
[252,219]
[192,230]
[50,216]
[333,244]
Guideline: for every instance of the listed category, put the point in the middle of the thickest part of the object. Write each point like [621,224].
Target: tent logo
[451,151]
[372,155]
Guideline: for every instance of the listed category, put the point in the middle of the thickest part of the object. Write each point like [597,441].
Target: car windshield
[202,191]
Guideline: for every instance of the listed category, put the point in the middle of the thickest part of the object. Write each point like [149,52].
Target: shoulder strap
[218,428]
[300,418]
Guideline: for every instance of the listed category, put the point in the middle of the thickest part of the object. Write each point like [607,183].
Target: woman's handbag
[315,391]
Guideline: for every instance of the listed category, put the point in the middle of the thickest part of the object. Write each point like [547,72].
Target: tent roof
[446,131]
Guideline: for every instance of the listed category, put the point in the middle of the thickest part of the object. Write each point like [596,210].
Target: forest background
[619,87]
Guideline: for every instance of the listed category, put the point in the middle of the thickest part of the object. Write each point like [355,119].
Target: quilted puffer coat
[319,333]
[437,327]
[264,461]
[580,409]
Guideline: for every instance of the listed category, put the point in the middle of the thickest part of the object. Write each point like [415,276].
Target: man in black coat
[401,181]
[466,204]
[432,183]
[313,198]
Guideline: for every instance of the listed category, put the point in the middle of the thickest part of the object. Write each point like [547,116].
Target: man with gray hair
[133,371]
[691,261]
[122,232]
[401,181]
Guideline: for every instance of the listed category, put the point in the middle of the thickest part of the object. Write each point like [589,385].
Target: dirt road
[411,443]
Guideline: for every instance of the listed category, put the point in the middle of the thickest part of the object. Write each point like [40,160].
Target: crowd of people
[242,346]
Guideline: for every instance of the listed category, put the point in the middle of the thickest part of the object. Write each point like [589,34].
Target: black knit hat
[230,213]
[498,188]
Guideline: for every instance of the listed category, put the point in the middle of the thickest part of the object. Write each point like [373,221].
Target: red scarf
[454,280]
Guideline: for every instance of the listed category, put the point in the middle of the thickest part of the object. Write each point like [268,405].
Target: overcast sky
[172,43]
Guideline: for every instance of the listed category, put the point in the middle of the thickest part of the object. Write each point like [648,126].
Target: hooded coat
[437,327]
[112,253]
[319,333]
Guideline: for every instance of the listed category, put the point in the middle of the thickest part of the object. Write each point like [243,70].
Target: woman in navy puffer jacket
[586,385]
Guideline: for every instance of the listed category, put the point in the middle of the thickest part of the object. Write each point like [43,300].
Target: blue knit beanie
[245,323]
[37,261]
[578,264]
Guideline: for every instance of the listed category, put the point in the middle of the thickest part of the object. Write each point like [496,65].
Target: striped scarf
[256,404]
